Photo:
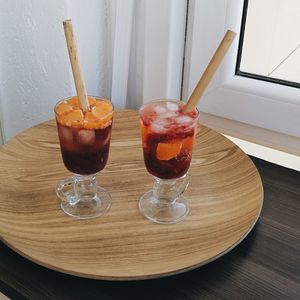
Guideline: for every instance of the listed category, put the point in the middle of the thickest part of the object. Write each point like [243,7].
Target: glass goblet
[168,136]
[84,142]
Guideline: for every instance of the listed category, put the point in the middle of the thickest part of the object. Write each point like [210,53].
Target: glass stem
[85,186]
[165,191]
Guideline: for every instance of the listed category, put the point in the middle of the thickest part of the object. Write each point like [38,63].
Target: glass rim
[167,100]
[96,97]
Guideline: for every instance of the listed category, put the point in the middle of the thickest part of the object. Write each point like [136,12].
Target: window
[270,41]
[256,110]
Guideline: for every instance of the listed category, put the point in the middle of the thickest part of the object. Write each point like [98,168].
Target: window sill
[268,145]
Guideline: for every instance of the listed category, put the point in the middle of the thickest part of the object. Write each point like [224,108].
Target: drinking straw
[209,71]
[74,60]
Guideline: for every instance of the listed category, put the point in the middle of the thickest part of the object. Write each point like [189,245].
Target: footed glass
[168,136]
[84,141]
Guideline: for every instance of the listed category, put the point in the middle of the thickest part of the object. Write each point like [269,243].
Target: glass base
[84,205]
[163,213]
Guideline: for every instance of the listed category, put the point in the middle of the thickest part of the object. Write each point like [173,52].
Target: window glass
[270,41]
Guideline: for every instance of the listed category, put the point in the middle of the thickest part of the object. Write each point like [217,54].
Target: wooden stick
[74,60]
[209,71]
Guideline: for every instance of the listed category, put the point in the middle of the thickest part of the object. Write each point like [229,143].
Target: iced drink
[168,136]
[84,136]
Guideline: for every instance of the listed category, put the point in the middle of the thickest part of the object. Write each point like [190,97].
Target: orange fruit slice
[90,117]
[74,102]
[102,108]
[75,115]
[103,116]
[166,151]
[63,108]
[92,101]
[99,116]
[73,118]
[90,121]
[103,112]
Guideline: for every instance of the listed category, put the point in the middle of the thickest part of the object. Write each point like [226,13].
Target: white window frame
[253,109]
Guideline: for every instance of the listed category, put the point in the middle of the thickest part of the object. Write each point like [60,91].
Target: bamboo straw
[209,71]
[74,60]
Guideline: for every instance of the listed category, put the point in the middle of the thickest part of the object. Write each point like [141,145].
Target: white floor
[277,157]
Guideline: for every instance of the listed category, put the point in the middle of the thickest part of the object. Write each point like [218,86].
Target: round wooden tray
[225,196]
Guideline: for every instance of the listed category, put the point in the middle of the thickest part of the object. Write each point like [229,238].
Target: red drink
[84,137]
[168,136]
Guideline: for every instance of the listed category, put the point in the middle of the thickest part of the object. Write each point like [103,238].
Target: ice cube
[102,140]
[86,137]
[65,134]
[160,109]
[168,114]
[172,106]
[183,119]
[107,138]
[160,121]
[157,128]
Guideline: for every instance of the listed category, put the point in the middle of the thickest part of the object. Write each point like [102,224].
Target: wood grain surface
[265,265]
[225,196]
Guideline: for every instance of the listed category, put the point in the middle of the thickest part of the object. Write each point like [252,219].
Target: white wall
[92,22]
[130,52]
[34,66]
